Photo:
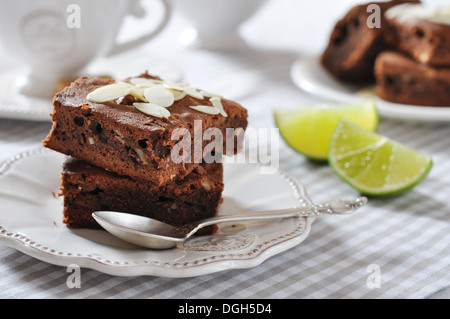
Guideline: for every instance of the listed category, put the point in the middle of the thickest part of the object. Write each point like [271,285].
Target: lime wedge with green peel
[308,130]
[374,164]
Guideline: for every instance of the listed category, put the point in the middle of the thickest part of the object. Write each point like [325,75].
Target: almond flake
[175,86]
[209,94]
[159,95]
[144,82]
[206,109]
[217,103]
[177,95]
[109,92]
[152,109]
[138,92]
[193,92]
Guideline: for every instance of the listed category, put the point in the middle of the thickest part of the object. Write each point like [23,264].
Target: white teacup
[57,39]
[216,22]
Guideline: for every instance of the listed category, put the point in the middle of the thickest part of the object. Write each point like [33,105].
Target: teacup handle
[120,48]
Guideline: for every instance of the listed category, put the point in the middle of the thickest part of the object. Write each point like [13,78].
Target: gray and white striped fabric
[405,240]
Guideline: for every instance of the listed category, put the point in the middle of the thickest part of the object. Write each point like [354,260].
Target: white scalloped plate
[30,221]
[308,74]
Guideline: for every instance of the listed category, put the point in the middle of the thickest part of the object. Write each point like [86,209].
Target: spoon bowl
[150,233]
[139,230]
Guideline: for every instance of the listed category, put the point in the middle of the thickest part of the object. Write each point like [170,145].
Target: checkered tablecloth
[393,248]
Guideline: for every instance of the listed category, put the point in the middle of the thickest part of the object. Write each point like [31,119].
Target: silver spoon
[150,233]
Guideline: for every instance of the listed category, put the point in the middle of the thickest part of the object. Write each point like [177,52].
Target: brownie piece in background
[401,79]
[414,34]
[353,46]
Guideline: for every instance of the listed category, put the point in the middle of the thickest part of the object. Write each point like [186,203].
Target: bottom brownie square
[87,188]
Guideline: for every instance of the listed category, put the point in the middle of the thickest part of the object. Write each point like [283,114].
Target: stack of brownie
[407,54]
[119,157]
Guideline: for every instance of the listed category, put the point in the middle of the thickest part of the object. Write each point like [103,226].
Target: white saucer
[14,105]
[308,74]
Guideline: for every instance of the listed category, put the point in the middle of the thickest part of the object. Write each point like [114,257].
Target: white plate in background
[309,74]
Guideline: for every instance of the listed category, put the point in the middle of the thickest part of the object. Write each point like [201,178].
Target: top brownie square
[116,136]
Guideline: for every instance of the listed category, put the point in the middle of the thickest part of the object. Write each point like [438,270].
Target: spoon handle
[330,207]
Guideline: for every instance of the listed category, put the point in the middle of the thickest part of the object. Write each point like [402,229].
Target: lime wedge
[308,130]
[374,164]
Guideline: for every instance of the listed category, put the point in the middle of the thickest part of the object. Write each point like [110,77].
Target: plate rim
[200,266]
[385,108]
